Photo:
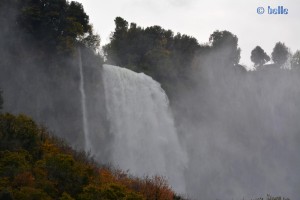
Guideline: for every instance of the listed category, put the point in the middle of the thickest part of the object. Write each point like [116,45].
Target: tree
[29,193]
[65,196]
[152,50]
[296,59]
[121,26]
[226,45]
[23,135]
[20,160]
[116,50]
[57,25]
[280,54]
[259,57]
[184,49]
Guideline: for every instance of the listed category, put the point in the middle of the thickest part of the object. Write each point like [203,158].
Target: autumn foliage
[36,165]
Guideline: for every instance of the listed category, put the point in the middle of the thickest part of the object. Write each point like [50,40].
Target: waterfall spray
[145,138]
[83,104]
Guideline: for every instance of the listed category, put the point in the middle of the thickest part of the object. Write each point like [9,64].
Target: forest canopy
[167,57]
[53,26]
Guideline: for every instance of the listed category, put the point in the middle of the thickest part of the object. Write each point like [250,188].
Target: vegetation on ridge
[36,165]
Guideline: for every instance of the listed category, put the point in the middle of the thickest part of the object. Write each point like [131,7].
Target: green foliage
[19,133]
[68,175]
[152,50]
[29,193]
[259,57]
[65,196]
[226,45]
[53,26]
[296,59]
[166,57]
[143,49]
[91,41]
[280,53]
[111,191]
[91,192]
[14,163]
[114,191]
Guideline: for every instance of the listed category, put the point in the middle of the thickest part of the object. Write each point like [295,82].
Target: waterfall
[83,104]
[145,139]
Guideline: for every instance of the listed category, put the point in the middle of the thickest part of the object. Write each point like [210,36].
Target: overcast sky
[199,18]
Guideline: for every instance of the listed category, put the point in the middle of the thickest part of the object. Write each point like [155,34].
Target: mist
[145,140]
[45,83]
[240,129]
[237,131]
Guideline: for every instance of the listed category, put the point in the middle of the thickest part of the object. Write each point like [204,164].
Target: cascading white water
[145,139]
[83,105]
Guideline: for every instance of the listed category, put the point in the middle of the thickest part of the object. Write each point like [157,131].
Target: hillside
[36,165]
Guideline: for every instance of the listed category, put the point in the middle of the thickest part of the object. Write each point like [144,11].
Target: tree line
[45,33]
[280,56]
[53,26]
[165,56]
[170,58]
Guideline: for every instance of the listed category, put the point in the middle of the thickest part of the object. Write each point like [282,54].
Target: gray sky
[201,18]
